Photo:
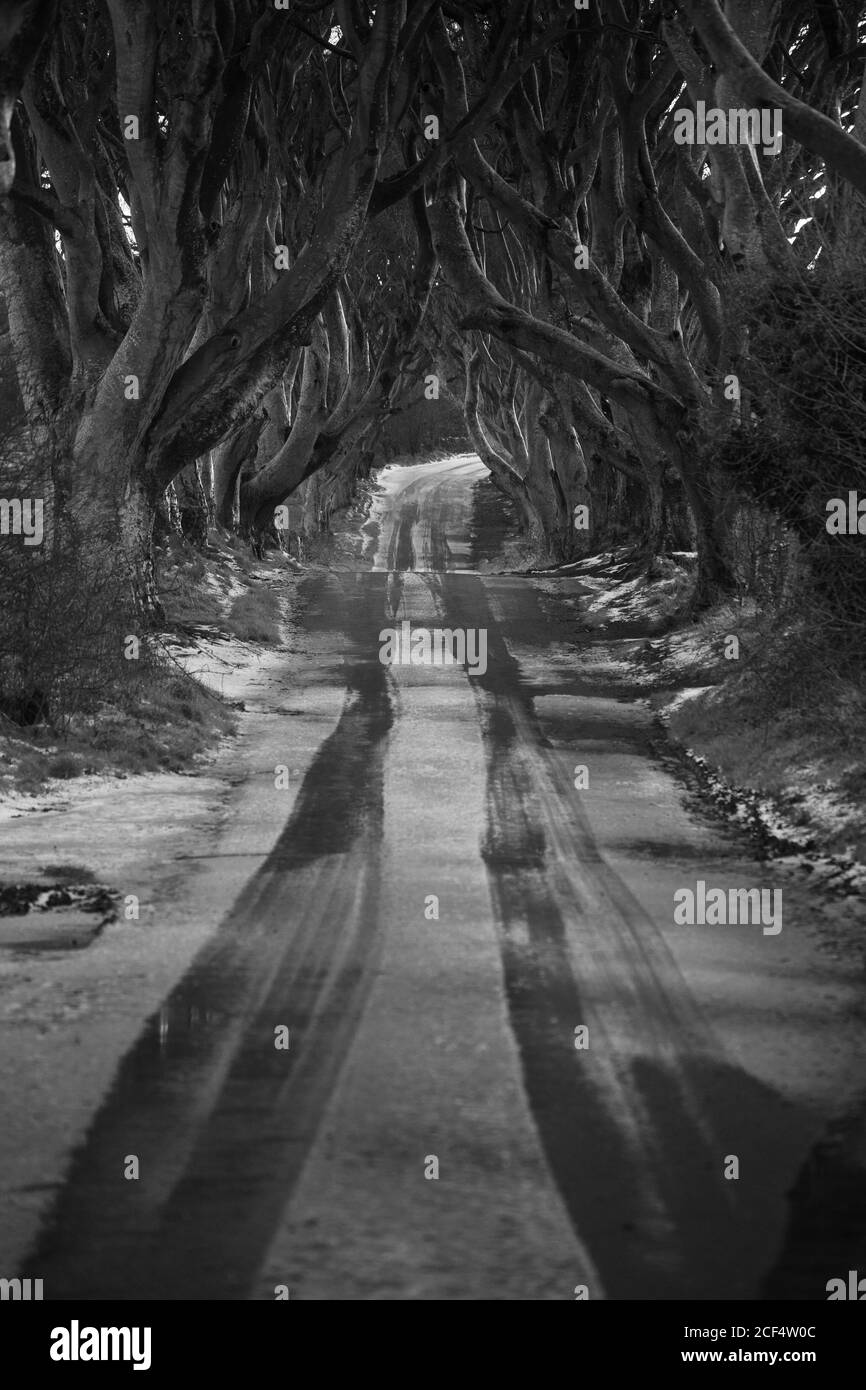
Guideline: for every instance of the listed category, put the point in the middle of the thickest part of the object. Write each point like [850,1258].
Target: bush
[67,606]
[255,617]
[798,445]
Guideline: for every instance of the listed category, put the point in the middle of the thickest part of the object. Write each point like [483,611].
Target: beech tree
[234,237]
[155,332]
[641,239]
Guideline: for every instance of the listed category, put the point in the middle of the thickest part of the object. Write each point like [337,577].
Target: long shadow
[826,1232]
[636,1143]
[219,1119]
[402,550]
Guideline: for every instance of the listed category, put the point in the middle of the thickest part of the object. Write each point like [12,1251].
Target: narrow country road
[443,910]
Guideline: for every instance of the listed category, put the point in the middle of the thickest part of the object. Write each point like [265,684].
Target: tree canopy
[238,236]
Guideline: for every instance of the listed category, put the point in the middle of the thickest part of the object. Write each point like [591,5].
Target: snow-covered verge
[228,621]
[776,749]
[143,713]
[112,880]
[811,817]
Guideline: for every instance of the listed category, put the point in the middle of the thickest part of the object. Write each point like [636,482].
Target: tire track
[635,1127]
[219,1119]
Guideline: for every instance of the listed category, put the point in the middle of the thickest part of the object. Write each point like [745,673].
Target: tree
[235,238]
[178,310]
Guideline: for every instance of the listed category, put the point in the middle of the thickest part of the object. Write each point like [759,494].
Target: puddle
[54,916]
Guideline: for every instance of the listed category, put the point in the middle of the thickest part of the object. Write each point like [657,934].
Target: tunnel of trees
[238,238]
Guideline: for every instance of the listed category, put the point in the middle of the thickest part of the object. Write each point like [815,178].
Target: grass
[67,873]
[255,617]
[781,720]
[189,599]
[149,715]
[226,591]
[785,717]
[159,720]
[162,726]
[66,765]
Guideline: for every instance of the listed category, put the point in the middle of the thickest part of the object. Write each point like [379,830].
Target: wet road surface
[442,915]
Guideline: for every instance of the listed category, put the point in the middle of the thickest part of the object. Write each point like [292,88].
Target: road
[443,919]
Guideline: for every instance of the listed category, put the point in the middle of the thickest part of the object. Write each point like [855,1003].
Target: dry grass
[149,714]
[255,617]
[779,720]
[162,720]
